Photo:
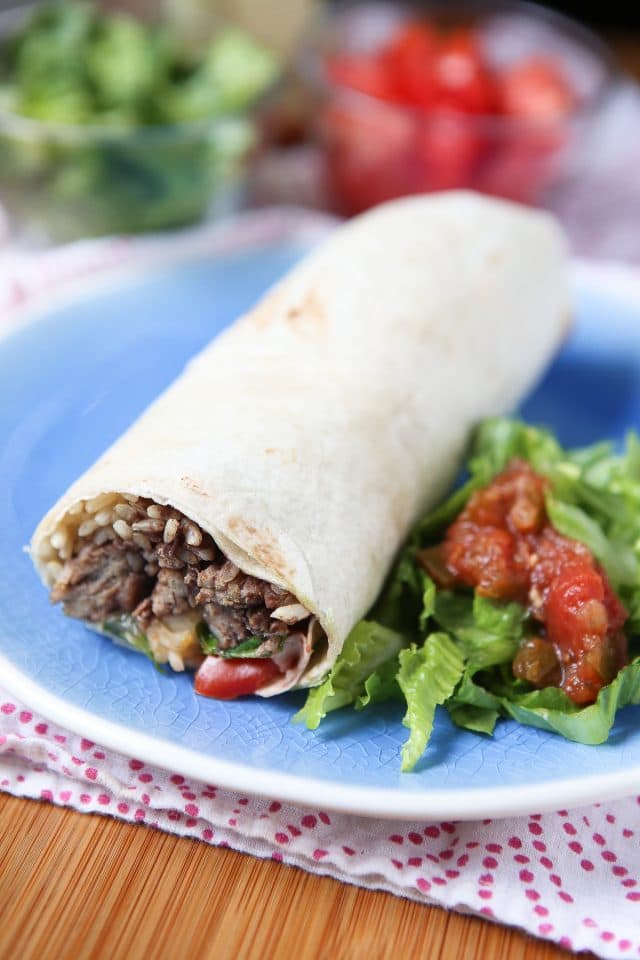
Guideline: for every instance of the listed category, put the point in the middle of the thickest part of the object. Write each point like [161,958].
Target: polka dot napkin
[570,876]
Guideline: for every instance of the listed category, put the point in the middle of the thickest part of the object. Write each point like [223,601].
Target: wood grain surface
[85,887]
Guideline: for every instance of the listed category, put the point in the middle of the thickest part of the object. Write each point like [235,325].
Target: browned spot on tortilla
[308,316]
[195,486]
[238,525]
[261,546]
[266,310]
[286,456]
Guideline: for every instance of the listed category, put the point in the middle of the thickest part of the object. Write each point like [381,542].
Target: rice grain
[125,511]
[193,535]
[170,530]
[87,528]
[123,529]
[141,540]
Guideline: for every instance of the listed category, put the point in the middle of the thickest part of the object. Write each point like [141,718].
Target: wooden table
[77,886]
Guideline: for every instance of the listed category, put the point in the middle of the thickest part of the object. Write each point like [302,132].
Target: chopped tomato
[409,57]
[536,88]
[464,81]
[583,618]
[484,547]
[488,559]
[367,74]
[504,546]
[414,41]
[225,678]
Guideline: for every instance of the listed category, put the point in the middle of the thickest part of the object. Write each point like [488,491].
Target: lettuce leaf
[368,647]
[470,717]
[428,675]
[489,633]
[381,685]
[551,709]
[403,596]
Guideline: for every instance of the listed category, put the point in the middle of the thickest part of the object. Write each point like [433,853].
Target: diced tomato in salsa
[503,545]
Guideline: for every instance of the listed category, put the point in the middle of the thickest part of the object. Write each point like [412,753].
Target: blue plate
[72,380]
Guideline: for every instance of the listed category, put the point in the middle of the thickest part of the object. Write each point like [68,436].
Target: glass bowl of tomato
[498,97]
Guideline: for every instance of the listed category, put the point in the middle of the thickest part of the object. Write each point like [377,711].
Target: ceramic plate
[74,378]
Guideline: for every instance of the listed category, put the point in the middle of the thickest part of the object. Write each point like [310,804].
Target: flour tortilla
[310,435]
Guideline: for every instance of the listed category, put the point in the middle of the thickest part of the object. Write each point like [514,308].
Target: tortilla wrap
[308,437]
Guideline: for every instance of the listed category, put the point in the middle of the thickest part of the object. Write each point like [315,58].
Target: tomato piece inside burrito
[247,520]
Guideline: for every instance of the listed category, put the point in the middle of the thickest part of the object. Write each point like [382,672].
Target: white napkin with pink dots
[571,876]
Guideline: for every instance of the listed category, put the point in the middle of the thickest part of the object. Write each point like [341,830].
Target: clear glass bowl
[59,182]
[375,150]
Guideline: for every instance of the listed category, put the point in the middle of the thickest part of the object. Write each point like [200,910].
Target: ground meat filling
[152,562]
[99,582]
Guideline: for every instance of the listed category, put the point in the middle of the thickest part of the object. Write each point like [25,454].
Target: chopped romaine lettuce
[428,675]
[366,649]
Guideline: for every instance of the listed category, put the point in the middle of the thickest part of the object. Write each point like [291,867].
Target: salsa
[504,547]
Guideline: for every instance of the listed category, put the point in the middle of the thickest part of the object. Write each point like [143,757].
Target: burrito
[246,521]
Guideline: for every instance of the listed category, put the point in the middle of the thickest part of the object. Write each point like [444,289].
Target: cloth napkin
[570,876]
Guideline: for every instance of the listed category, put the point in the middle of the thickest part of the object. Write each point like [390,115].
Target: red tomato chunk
[504,546]
[230,677]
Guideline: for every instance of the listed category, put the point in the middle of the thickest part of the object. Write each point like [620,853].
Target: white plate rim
[596,278]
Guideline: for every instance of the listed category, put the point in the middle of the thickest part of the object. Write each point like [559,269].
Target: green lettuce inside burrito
[248,519]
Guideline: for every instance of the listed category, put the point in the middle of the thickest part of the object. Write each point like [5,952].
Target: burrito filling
[149,577]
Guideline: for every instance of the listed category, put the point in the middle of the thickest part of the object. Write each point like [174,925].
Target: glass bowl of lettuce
[112,125]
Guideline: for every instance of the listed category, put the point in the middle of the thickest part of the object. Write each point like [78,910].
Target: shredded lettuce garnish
[434,647]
